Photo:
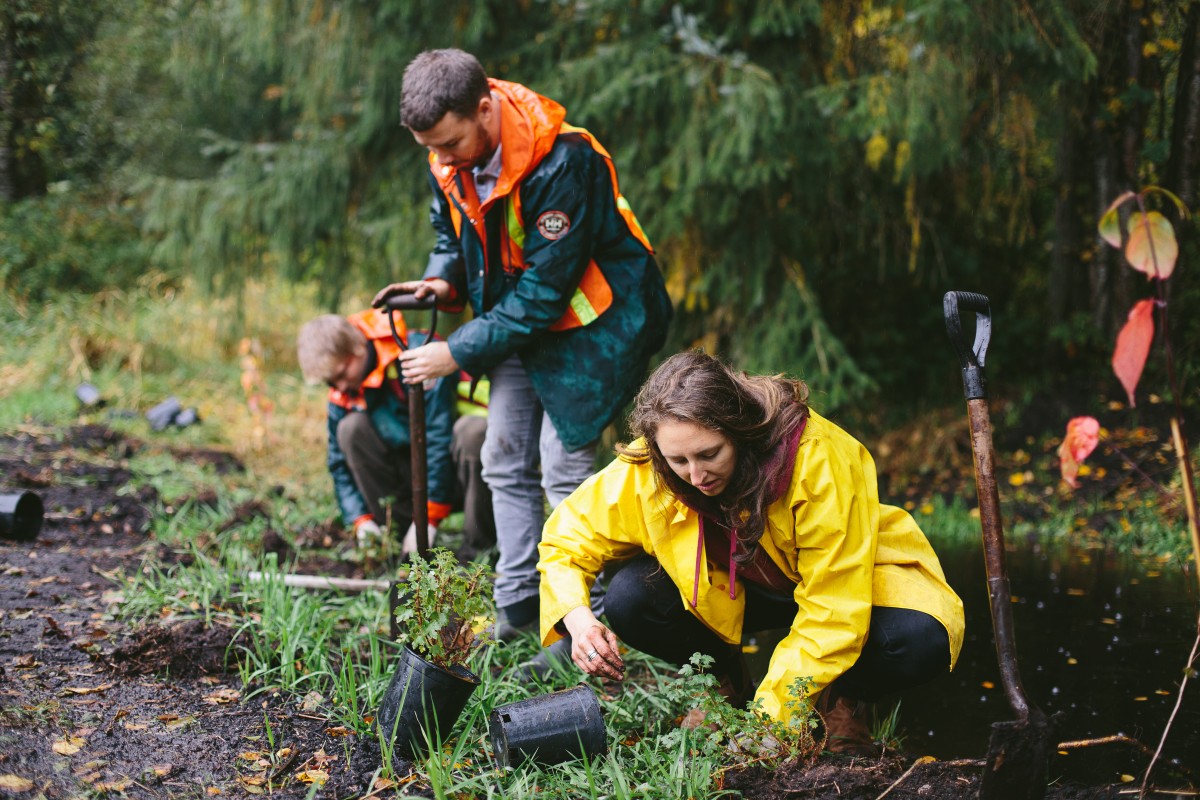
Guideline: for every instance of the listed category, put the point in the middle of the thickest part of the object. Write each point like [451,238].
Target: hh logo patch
[553,225]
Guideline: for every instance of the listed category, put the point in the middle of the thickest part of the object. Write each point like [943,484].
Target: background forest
[815,175]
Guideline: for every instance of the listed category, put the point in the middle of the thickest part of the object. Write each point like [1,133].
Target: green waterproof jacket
[519,260]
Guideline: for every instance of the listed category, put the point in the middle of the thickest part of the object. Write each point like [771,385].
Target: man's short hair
[437,82]
[324,344]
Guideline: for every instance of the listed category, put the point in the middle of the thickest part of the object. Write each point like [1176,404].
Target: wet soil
[90,706]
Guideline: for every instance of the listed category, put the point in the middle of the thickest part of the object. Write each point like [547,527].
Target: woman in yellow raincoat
[739,508]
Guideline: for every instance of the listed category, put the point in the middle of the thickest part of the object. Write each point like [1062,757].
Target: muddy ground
[93,707]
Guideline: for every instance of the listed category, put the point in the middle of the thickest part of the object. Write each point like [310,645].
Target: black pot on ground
[550,728]
[423,702]
[20,516]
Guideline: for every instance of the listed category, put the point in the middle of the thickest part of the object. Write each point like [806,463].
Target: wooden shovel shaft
[420,476]
[999,593]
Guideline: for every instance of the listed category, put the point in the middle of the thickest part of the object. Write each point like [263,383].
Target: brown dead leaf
[382,783]
[68,745]
[15,783]
[119,785]
[312,702]
[25,661]
[222,696]
[252,784]
[104,687]
[340,730]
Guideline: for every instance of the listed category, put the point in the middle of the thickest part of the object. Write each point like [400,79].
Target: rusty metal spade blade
[1018,751]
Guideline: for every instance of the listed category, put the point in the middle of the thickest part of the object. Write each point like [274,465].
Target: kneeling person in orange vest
[369,437]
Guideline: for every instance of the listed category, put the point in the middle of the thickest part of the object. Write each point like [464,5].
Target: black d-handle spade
[1018,751]
[416,416]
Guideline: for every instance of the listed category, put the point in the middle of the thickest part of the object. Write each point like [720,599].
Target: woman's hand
[594,647]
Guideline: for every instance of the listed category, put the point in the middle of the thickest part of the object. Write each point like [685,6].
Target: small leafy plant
[741,736]
[442,600]
[1148,243]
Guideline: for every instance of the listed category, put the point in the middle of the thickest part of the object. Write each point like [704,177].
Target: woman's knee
[914,645]
[635,594]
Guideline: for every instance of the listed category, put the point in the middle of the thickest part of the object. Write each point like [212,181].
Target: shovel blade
[1018,759]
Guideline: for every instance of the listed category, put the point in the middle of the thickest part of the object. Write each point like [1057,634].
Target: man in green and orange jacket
[569,304]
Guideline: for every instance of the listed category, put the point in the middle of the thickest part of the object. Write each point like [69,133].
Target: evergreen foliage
[815,175]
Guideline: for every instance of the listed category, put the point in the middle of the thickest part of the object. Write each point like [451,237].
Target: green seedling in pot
[445,608]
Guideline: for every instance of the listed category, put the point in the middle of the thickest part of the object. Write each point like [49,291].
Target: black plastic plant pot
[20,516]
[550,728]
[423,702]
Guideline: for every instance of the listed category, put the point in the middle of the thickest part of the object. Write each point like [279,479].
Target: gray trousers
[524,464]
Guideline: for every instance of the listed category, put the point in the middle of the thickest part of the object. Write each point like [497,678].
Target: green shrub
[68,241]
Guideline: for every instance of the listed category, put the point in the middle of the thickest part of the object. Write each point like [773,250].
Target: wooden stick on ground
[324,582]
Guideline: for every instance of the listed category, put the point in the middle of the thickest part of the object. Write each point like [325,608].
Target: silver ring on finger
[592,654]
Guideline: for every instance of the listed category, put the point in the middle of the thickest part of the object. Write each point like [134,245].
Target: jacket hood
[529,124]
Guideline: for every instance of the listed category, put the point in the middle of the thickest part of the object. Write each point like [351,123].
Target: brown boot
[736,685]
[846,728]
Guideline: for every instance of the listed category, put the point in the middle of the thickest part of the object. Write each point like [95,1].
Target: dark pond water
[1101,637]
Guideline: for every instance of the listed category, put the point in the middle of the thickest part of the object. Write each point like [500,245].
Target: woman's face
[701,456]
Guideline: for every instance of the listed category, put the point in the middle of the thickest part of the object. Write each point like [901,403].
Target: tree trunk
[1064,264]
[7,193]
[1184,161]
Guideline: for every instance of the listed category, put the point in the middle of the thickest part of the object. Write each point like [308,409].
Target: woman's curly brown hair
[755,412]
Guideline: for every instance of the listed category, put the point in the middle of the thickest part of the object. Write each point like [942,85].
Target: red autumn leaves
[1149,247]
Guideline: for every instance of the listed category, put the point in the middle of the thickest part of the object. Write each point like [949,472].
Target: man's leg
[479,523]
[510,467]
[380,471]
[562,472]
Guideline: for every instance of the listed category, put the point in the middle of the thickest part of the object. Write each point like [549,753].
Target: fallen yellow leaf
[222,696]
[1126,778]
[15,783]
[312,776]
[113,786]
[213,790]
[342,730]
[68,745]
[88,690]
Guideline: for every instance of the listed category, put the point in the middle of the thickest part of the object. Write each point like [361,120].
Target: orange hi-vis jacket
[554,264]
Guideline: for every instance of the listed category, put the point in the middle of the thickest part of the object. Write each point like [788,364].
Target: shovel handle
[409,302]
[970,356]
[416,416]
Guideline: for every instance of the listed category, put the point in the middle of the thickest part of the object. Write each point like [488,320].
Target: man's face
[350,373]
[462,142]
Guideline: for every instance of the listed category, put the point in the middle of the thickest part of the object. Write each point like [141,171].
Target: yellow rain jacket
[828,532]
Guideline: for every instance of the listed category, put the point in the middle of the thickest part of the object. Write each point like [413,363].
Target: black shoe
[555,657]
